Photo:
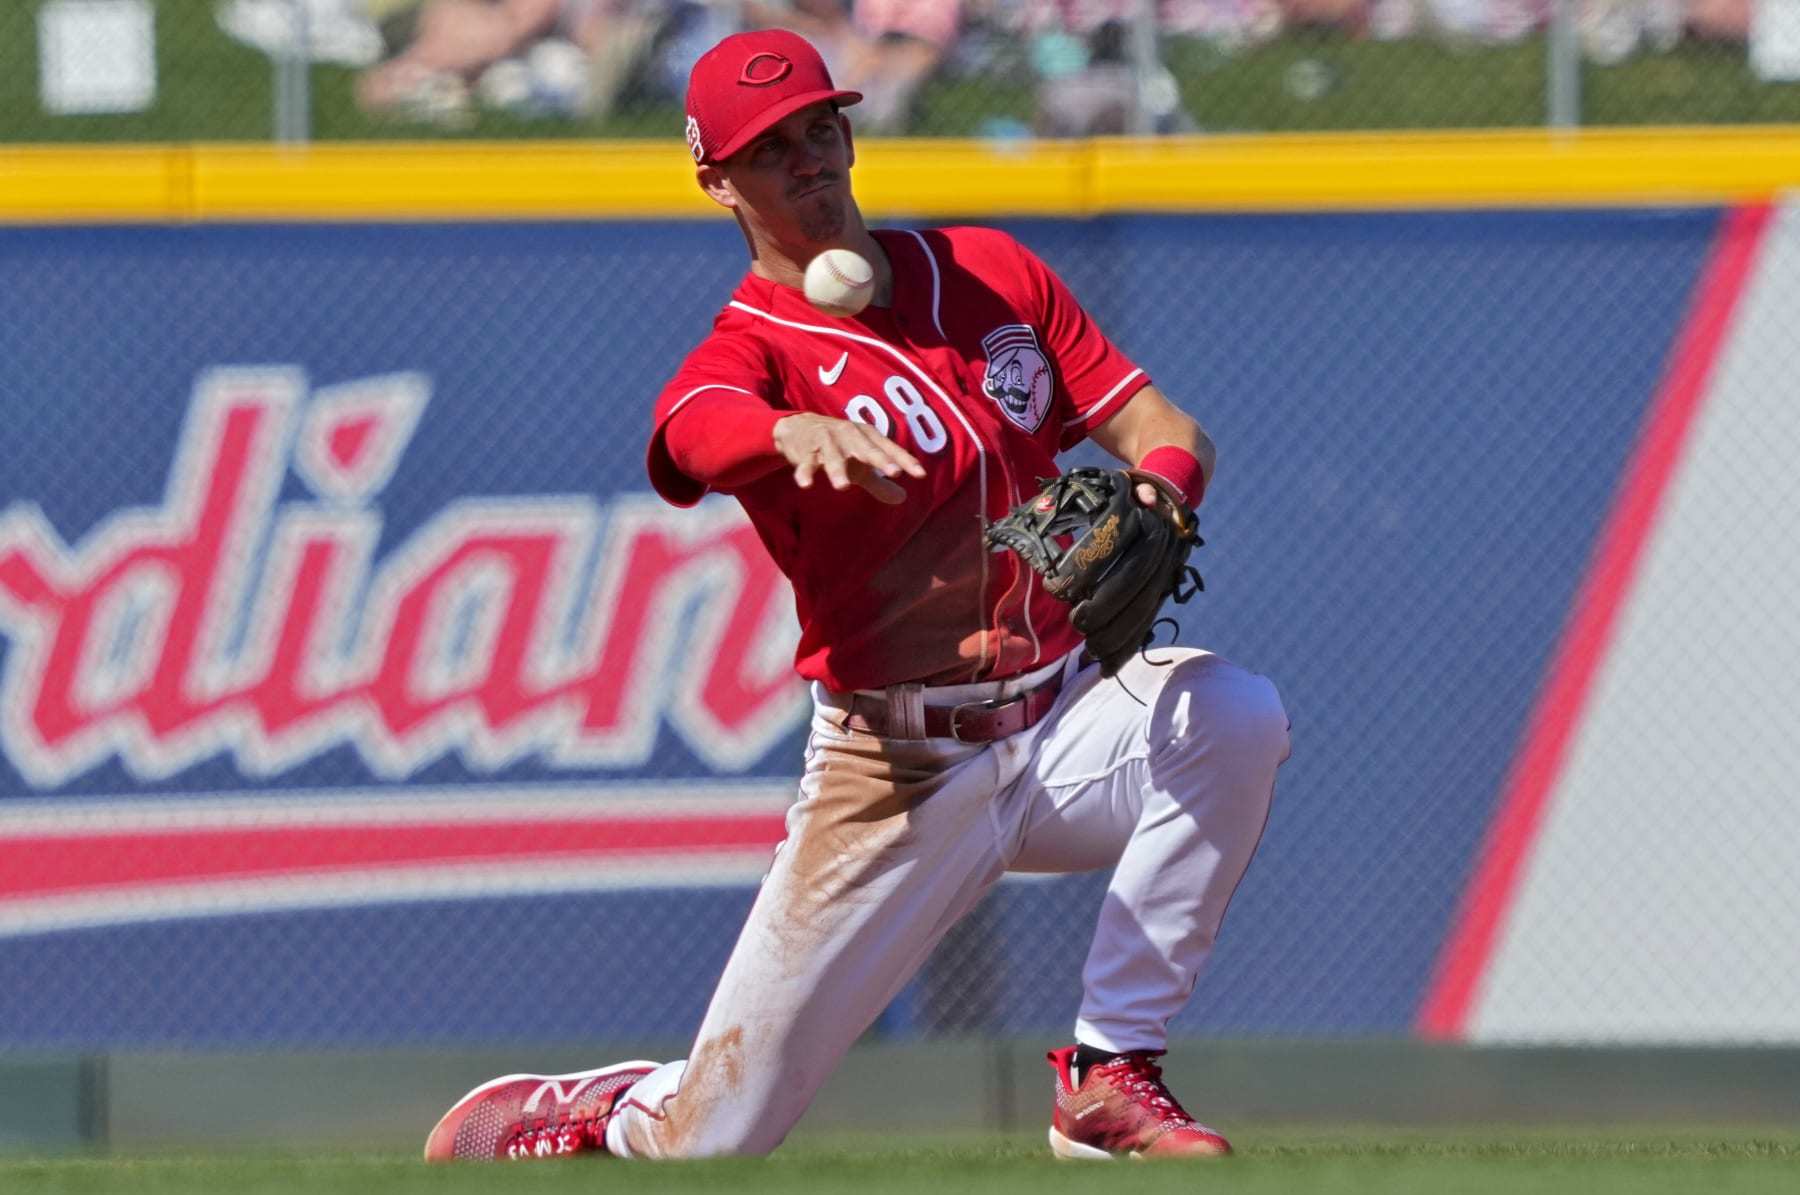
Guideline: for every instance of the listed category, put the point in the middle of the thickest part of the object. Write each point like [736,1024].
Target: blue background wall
[1420,417]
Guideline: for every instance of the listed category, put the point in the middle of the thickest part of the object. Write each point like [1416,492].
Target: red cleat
[523,1117]
[1123,1109]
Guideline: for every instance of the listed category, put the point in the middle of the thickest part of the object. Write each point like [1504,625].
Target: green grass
[211,88]
[1390,1162]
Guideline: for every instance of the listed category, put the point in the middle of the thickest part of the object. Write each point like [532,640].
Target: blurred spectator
[904,42]
[692,28]
[1725,20]
[1347,14]
[567,57]
[1097,97]
[1613,30]
[1610,30]
[578,57]
[1227,23]
[1090,82]
[617,35]
[1462,22]
[886,49]
[1231,22]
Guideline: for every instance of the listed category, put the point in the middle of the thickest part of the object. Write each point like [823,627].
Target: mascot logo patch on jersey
[1018,375]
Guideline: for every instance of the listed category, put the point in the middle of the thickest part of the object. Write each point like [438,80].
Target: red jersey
[984,368]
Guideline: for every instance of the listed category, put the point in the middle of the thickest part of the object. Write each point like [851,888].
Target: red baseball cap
[748,82]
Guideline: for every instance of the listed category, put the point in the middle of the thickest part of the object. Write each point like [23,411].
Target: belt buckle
[996,703]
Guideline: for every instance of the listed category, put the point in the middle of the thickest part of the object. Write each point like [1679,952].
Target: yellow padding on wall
[444,182]
[94,185]
[900,178]
[1456,170]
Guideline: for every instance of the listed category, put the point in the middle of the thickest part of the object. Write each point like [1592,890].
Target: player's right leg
[521,1117]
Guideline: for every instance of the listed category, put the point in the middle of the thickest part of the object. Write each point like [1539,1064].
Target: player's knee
[1210,707]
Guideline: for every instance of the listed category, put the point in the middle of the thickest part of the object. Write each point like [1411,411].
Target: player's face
[793,182]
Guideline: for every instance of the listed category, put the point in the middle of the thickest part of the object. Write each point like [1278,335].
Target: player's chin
[822,215]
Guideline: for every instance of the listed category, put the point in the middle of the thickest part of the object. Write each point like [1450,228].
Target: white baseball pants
[1164,773]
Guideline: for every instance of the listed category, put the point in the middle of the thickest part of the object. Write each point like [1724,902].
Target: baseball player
[960,729]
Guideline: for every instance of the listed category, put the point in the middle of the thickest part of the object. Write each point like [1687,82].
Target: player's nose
[807,161]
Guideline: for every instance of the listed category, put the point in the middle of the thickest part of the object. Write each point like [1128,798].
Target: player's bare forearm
[1150,421]
[848,452]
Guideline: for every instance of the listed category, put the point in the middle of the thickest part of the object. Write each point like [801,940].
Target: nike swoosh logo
[830,376]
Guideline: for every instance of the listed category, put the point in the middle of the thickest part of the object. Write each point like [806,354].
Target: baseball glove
[1109,556]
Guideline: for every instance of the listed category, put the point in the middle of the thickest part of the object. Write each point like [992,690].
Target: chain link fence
[468,722]
[115,70]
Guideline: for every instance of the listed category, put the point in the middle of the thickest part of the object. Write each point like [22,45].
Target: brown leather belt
[970,722]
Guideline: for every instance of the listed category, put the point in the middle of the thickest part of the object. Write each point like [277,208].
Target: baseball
[839,282]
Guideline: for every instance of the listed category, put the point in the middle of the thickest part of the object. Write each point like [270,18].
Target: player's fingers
[1146,494]
[803,472]
[901,458]
[904,459]
[888,456]
[835,466]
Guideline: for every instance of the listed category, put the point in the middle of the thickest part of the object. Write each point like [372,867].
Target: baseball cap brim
[776,113]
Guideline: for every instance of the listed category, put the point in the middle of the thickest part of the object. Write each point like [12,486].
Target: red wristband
[1179,468]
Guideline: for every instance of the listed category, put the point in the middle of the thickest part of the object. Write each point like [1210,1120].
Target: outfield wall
[355,692]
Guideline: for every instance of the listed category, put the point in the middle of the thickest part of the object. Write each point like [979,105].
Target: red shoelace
[1139,1077]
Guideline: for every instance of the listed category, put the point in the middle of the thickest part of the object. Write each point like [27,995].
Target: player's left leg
[1165,774]
[891,842]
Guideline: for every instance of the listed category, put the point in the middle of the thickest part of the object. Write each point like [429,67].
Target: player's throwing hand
[851,453]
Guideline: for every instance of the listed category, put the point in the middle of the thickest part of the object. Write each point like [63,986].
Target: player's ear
[718,188]
[849,141]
